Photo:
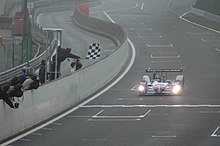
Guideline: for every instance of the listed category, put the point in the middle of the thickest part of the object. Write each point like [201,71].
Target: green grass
[203,21]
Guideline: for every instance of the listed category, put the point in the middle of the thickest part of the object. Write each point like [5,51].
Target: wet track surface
[119,117]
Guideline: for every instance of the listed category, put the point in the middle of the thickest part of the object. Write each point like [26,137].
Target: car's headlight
[141,88]
[176,89]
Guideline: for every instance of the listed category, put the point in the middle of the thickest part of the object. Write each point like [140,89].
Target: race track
[119,117]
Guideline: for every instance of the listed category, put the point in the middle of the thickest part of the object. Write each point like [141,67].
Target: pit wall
[54,98]
[206,14]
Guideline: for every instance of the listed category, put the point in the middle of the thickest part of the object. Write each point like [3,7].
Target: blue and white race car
[156,82]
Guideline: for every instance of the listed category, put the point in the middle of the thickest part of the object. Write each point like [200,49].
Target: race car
[156,82]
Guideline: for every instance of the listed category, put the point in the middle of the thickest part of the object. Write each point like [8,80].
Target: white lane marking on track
[134,88]
[144,115]
[140,98]
[97,114]
[150,37]
[198,33]
[109,120]
[142,6]
[165,114]
[209,112]
[116,117]
[24,139]
[217,49]
[37,134]
[85,102]
[165,61]
[142,29]
[136,5]
[159,46]
[149,34]
[214,133]
[120,116]
[58,124]
[48,129]
[164,136]
[151,106]
[204,40]
[209,40]
[95,139]
[165,57]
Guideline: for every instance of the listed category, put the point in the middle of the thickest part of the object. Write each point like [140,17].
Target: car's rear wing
[164,70]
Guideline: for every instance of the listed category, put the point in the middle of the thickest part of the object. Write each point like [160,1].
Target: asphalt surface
[119,117]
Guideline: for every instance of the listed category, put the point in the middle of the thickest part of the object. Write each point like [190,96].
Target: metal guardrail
[35,62]
[9,74]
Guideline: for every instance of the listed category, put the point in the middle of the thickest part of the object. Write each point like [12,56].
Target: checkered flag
[94,51]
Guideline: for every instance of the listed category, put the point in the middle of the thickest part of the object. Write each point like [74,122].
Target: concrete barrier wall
[88,23]
[206,14]
[57,96]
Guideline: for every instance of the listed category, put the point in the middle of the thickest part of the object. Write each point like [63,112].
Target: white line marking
[85,102]
[48,129]
[158,136]
[209,112]
[97,139]
[158,46]
[198,33]
[150,106]
[38,134]
[165,114]
[143,29]
[147,37]
[214,133]
[165,57]
[204,40]
[97,114]
[142,116]
[209,40]
[149,34]
[217,49]
[23,139]
[109,120]
[136,5]
[120,117]
[116,117]
[138,99]
[134,88]
[59,124]
[142,6]
[165,61]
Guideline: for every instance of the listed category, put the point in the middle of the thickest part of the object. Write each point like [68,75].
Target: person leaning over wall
[16,87]
[4,89]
